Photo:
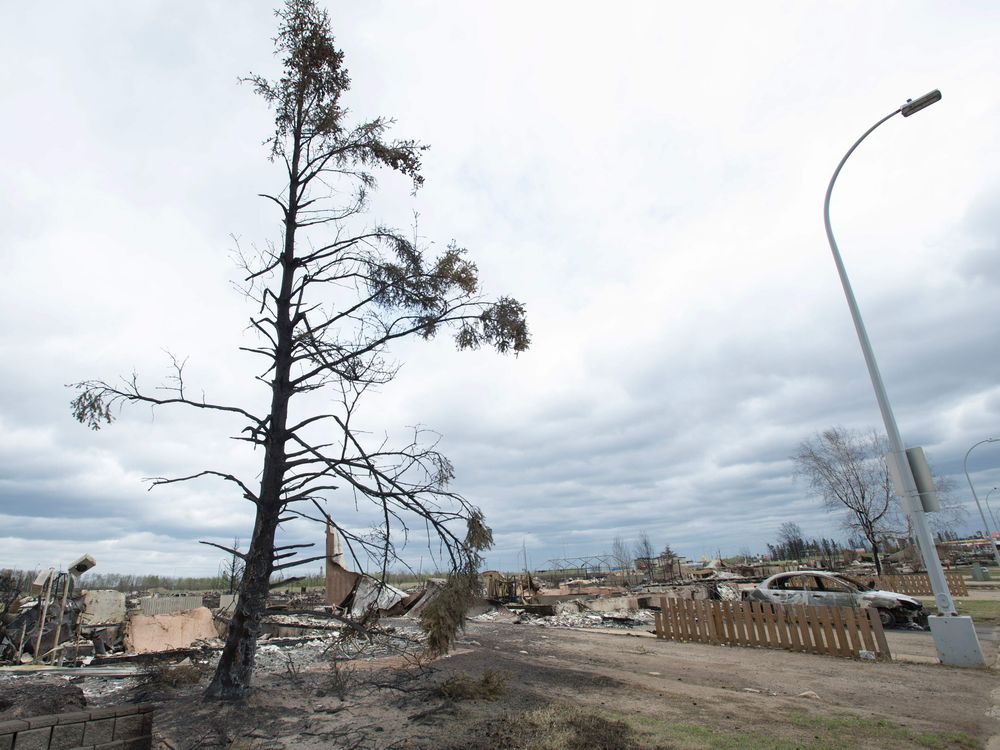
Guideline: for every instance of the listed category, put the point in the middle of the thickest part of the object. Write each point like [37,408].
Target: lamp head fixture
[915,105]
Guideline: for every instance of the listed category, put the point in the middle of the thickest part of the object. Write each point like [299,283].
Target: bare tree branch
[303,561]
[247,492]
[230,550]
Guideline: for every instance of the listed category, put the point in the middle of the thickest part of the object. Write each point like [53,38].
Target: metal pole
[911,502]
[45,609]
[20,643]
[62,612]
[986,525]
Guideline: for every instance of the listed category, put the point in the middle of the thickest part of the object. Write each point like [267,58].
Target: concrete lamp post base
[956,641]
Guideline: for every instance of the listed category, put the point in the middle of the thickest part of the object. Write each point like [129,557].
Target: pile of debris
[36,625]
[617,612]
[55,623]
[621,619]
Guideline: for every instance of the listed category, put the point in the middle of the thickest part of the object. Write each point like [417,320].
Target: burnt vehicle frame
[826,589]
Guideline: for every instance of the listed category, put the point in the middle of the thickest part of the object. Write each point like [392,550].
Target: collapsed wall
[148,633]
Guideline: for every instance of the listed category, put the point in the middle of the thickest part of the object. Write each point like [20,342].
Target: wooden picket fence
[837,631]
[920,584]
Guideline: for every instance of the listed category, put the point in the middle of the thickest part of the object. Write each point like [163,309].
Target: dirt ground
[523,686]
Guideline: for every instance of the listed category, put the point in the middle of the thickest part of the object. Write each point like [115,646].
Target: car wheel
[887,618]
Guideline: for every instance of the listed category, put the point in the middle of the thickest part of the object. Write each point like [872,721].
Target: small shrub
[573,728]
[176,675]
[490,686]
[342,679]
[555,727]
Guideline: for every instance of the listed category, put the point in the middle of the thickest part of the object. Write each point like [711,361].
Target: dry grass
[571,728]
[560,727]
[490,686]
[567,727]
[342,679]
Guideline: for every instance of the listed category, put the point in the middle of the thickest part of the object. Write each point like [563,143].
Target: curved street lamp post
[954,637]
[986,524]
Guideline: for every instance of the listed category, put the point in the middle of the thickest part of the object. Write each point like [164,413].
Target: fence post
[853,630]
[876,624]
[709,609]
[749,623]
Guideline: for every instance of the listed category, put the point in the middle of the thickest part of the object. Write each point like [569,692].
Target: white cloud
[649,181]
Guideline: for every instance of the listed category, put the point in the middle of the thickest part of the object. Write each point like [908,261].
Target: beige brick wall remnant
[119,728]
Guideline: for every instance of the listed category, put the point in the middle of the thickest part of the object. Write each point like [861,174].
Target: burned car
[816,587]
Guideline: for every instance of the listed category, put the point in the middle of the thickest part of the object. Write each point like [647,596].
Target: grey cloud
[689,329]
[981,259]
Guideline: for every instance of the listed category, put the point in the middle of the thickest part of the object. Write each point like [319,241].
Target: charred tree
[792,540]
[848,470]
[622,556]
[645,556]
[232,570]
[330,298]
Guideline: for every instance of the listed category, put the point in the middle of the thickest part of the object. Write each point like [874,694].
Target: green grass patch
[657,733]
[565,727]
[855,727]
[982,611]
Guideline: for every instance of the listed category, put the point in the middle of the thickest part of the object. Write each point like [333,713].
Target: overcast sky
[647,179]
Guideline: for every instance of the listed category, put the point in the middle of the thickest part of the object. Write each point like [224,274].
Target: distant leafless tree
[622,556]
[232,570]
[643,550]
[943,523]
[848,470]
[792,540]
[330,297]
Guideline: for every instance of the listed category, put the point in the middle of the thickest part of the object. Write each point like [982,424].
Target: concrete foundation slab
[612,603]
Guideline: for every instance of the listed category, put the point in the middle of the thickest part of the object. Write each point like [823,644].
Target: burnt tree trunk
[876,558]
[235,668]
[233,674]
